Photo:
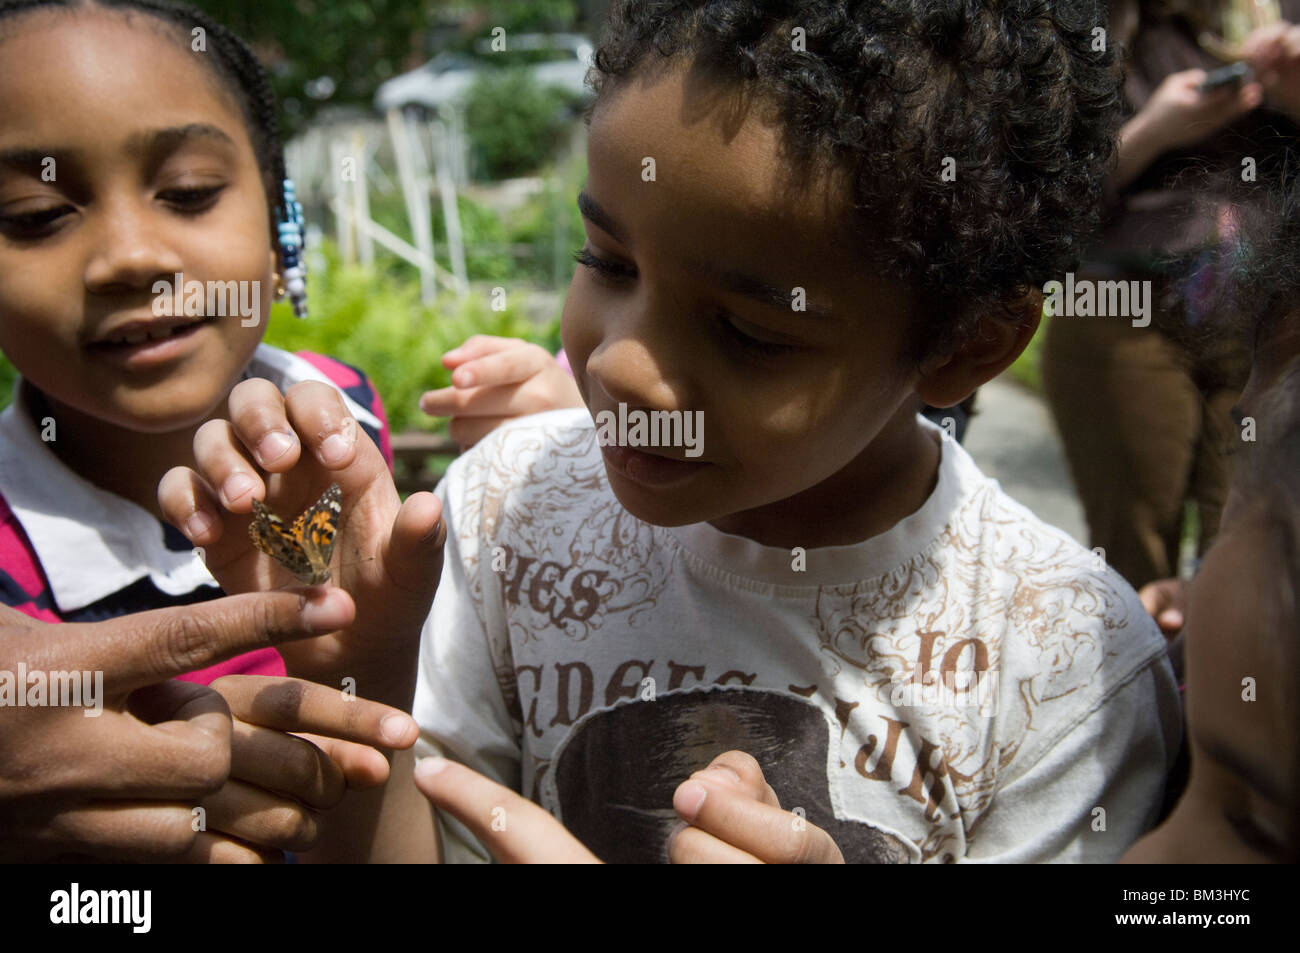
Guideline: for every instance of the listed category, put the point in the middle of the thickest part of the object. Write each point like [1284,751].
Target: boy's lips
[143,342]
[649,469]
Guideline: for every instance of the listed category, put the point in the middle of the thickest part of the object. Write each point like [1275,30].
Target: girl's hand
[494,379]
[387,554]
[1274,53]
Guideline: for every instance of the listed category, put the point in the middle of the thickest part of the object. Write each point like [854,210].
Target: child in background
[131,153]
[775,250]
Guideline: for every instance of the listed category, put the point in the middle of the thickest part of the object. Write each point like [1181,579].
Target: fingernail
[689,798]
[334,448]
[238,486]
[672,839]
[275,445]
[465,378]
[197,526]
[395,728]
[323,614]
[452,354]
[428,767]
[723,769]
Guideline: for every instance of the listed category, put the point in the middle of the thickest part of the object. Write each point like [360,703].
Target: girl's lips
[649,469]
[137,354]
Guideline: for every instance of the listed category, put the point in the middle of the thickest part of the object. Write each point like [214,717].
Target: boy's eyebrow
[154,140]
[738,282]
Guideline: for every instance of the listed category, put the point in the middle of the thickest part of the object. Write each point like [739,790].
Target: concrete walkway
[1014,440]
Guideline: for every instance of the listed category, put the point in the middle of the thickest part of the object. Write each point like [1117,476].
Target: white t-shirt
[592,661]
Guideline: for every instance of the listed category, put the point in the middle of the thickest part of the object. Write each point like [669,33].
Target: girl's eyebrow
[734,281]
[148,142]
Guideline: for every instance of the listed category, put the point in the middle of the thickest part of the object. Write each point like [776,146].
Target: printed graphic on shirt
[583,606]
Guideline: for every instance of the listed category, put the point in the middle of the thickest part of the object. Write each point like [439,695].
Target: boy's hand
[282,784]
[732,816]
[495,379]
[513,828]
[387,554]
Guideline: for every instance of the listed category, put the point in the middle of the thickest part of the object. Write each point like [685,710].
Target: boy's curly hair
[1022,95]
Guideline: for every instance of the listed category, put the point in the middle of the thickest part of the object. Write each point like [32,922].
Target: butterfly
[305,547]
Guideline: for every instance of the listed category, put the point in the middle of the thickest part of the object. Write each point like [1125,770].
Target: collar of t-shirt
[737,558]
[92,543]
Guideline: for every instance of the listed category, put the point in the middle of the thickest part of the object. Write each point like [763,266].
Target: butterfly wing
[316,530]
[269,535]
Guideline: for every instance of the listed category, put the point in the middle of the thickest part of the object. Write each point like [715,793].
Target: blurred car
[553,59]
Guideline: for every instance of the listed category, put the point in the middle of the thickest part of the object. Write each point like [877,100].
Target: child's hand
[280,783]
[1166,600]
[733,817]
[513,828]
[387,554]
[494,379]
[1179,114]
[123,784]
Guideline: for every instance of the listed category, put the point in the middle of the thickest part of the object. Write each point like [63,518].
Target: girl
[140,159]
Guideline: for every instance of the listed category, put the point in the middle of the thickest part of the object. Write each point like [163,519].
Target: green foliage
[7,378]
[1027,368]
[513,123]
[487,257]
[378,324]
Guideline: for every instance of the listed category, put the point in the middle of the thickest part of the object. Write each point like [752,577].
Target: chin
[658,507]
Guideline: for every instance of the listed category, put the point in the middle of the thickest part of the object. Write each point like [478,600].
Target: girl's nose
[130,248]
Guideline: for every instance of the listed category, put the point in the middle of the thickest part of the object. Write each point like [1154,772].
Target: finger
[137,650]
[262,818]
[1170,622]
[504,402]
[324,424]
[190,504]
[127,832]
[361,765]
[286,764]
[511,365]
[226,466]
[259,419]
[467,431]
[743,773]
[293,704]
[209,848]
[1154,598]
[770,834]
[476,346]
[413,557]
[515,830]
[690,845]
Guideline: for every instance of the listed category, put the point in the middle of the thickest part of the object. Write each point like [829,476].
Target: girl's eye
[32,224]
[610,270]
[752,338]
[192,200]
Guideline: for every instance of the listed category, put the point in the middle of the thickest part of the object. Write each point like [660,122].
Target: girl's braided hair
[229,57]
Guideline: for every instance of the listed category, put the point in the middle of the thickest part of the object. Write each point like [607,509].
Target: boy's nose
[129,249]
[635,370]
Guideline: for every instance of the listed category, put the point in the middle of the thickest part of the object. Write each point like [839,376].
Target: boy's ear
[948,379]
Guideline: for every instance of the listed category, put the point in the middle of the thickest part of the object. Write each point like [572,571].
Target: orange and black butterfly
[305,547]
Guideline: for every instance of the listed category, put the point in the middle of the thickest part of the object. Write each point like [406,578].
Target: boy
[800,228]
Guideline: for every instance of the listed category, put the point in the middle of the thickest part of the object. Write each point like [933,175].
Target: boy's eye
[196,199]
[753,338]
[610,270]
[32,224]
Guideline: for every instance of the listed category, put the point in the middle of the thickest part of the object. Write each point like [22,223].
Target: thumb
[414,556]
[141,649]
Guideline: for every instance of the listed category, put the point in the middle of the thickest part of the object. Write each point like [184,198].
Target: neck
[887,482]
[126,462]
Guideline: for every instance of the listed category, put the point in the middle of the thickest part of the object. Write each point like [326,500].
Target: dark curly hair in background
[1012,90]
